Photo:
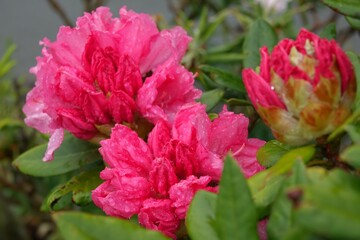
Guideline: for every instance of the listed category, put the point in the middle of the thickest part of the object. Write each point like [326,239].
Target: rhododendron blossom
[305,88]
[158,179]
[99,73]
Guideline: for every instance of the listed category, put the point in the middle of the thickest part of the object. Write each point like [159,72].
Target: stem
[60,11]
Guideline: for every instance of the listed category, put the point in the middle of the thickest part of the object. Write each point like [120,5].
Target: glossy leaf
[80,186]
[83,226]
[72,154]
[200,216]
[271,152]
[236,216]
[224,78]
[260,34]
[347,7]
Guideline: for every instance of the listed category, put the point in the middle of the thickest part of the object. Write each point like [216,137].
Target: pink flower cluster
[158,179]
[123,74]
[105,71]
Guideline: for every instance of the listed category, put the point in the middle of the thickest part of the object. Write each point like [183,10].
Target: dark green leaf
[223,57]
[84,184]
[351,155]
[354,22]
[271,152]
[238,102]
[80,186]
[261,131]
[260,34]
[225,78]
[211,98]
[347,7]
[329,31]
[227,47]
[330,207]
[356,64]
[83,226]
[236,216]
[200,216]
[72,154]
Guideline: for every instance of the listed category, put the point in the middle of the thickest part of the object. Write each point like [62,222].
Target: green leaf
[354,132]
[236,216]
[83,185]
[288,160]
[271,152]
[83,226]
[261,131]
[72,154]
[351,155]
[5,62]
[223,57]
[264,189]
[225,78]
[211,98]
[354,22]
[260,34]
[330,208]
[347,7]
[356,64]
[80,186]
[238,102]
[280,221]
[209,29]
[329,31]
[227,47]
[201,216]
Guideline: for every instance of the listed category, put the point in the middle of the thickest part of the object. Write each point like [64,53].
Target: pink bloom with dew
[157,180]
[304,89]
[97,73]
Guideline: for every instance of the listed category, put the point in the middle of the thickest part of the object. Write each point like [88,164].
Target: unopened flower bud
[304,89]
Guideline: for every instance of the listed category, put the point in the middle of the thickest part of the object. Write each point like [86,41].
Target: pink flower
[305,88]
[100,72]
[261,229]
[176,162]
